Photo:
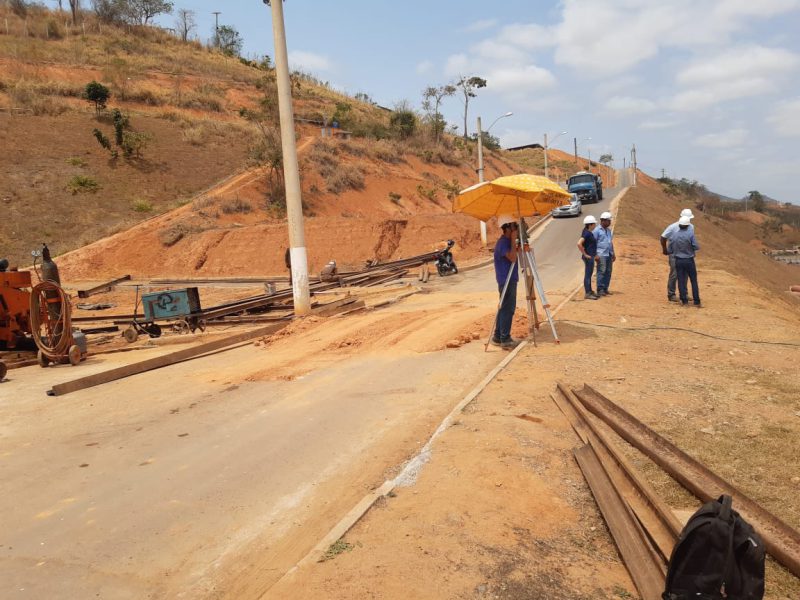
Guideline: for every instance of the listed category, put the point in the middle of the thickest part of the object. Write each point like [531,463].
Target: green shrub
[134,142]
[427,193]
[142,206]
[403,122]
[98,94]
[76,161]
[82,184]
[451,188]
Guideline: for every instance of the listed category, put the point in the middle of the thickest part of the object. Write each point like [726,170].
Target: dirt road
[213,477]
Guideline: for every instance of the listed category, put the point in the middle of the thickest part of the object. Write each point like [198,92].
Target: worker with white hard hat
[683,245]
[588,248]
[506,274]
[672,279]
[605,253]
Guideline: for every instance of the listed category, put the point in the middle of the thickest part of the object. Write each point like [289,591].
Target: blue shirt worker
[683,246]
[588,248]
[506,273]
[605,253]
[672,279]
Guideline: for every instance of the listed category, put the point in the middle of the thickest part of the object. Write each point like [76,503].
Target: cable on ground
[666,328]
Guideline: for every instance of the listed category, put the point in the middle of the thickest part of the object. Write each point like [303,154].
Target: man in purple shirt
[505,262]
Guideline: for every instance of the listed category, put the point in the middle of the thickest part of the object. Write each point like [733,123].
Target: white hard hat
[588,220]
[503,219]
[684,220]
[606,215]
[687,212]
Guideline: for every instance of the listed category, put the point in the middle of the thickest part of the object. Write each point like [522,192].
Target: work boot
[672,298]
[602,292]
[590,296]
[509,344]
[495,342]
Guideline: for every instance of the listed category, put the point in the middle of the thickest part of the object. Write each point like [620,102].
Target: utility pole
[663,173]
[633,162]
[575,141]
[545,155]
[480,176]
[291,172]
[216,27]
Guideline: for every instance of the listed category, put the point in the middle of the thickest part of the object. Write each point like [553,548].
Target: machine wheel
[182,327]
[130,335]
[153,330]
[74,355]
[44,362]
[454,268]
[3,370]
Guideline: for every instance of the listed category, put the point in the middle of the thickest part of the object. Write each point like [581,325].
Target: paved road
[211,478]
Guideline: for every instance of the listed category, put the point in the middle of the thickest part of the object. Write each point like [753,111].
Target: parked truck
[587,186]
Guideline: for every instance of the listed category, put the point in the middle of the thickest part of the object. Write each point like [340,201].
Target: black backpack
[718,556]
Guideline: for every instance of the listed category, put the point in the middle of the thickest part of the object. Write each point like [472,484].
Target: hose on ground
[683,329]
[51,324]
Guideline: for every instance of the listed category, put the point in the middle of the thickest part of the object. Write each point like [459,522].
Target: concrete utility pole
[216,27]
[633,162]
[291,172]
[480,176]
[480,164]
[575,141]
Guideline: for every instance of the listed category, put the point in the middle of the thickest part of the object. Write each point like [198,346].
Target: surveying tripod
[526,264]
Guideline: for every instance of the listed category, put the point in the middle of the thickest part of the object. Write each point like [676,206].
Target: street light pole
[216,27]
[546,172]
[480,164]
[291,172]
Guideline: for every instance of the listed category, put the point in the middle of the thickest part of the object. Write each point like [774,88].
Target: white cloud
[629,105]
[309,61]
[458,64]
[733,138]
[739,72]
[481,25]
[658,124]
[785,118]
[521,80]
[424,67]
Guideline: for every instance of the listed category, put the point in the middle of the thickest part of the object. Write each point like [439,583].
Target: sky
[706,89]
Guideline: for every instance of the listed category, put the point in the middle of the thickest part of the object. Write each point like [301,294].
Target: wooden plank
[636,551]
[103,287]
[160,361]
[331,308]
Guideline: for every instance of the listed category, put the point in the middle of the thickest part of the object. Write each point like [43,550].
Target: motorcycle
[445,264]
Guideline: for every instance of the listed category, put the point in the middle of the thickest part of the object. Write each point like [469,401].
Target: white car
[573,209]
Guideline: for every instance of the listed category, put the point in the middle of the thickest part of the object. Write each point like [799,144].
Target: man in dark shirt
[505,263]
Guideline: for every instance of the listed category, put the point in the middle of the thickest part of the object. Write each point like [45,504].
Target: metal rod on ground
[291,173]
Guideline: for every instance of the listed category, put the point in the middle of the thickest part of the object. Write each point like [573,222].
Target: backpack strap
[725,512]
[730,563]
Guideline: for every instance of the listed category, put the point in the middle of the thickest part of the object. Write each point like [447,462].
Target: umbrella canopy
[522,195]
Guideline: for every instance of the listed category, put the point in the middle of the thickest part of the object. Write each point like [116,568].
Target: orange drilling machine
[15,306]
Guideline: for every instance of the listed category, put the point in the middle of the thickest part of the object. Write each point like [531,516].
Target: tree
[432,97]
[19,8]
[185,23]
[403,120]
[109,11]
[229,40]
[756,198]
[97,93]
[143,11]
[75,7]
[468,85]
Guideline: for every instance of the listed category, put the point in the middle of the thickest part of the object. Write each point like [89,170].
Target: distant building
[525,147]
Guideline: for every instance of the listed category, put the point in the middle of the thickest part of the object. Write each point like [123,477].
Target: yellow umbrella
[522,195]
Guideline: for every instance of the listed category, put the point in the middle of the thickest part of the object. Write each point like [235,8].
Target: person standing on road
[605,254]
[588,247]
[672,280]
[683,245]
[506,269]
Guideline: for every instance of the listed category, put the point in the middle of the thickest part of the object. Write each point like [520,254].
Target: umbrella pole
[499,304]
